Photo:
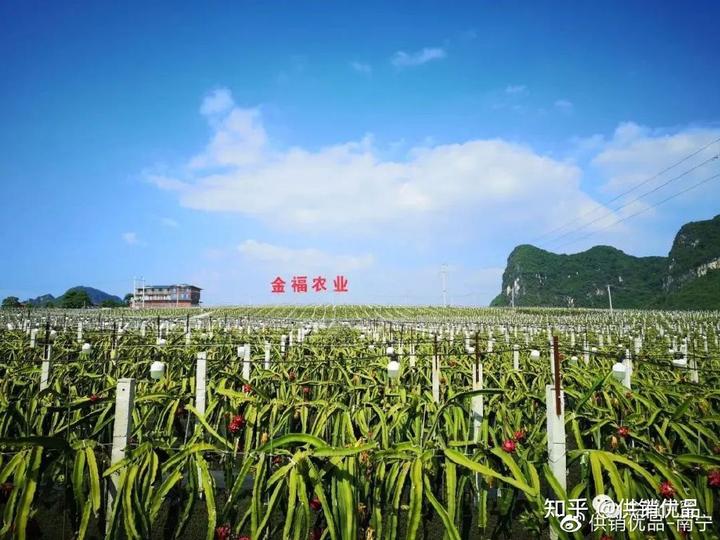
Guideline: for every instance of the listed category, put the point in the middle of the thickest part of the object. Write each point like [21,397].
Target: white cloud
[589,145]
[636,154]
[516,89]
[130,238]
[348,188]
[635,170]
[302,259]
[423,199]
[564,105]
[417,58]
[169,222]
[217,102]
[239,139]
[365,69]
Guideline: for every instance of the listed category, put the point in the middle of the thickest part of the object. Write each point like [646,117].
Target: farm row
[354,422]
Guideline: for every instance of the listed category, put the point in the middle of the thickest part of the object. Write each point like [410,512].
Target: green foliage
[357,456]
[581,279]
[700,293]
[11,302]
[74,298]
[547,279]
[696,243]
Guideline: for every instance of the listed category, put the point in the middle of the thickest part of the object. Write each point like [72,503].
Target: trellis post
[554,402]
[122,427]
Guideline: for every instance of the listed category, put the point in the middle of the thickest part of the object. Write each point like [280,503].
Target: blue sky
[226,144]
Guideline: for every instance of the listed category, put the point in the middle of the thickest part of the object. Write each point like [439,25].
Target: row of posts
[554,397]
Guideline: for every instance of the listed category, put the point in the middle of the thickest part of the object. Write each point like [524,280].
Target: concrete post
[45,370]
[627,379]
[436,378]
[122,427]
[246,362]
[200,381]
[478,402]
[556,439]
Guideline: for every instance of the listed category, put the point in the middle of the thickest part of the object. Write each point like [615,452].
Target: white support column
[122,427]
[516,357]
[33,337]
[413,358]
[200,377]
[477,402]
[556,439]
[246,362]
[694,376]
[627,379]
[267,355]
[200,381]
[45,370]
[436,378]
[80,332]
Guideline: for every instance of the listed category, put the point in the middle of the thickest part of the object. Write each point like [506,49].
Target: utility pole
[443,273]
[609,298]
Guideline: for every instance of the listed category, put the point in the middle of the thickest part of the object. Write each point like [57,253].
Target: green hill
[688,278]
[96,296]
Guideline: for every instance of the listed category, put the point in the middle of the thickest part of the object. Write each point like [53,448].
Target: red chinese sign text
[299,284]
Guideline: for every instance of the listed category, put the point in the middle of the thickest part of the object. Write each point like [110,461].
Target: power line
[628,203]
[644,182]
[698,184]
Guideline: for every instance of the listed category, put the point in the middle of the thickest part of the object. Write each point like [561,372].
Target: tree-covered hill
[688,278]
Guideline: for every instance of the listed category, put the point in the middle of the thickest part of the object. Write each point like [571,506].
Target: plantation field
[296,422]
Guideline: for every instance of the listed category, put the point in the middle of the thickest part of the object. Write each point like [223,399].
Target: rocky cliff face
[689,277]
[695,251]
